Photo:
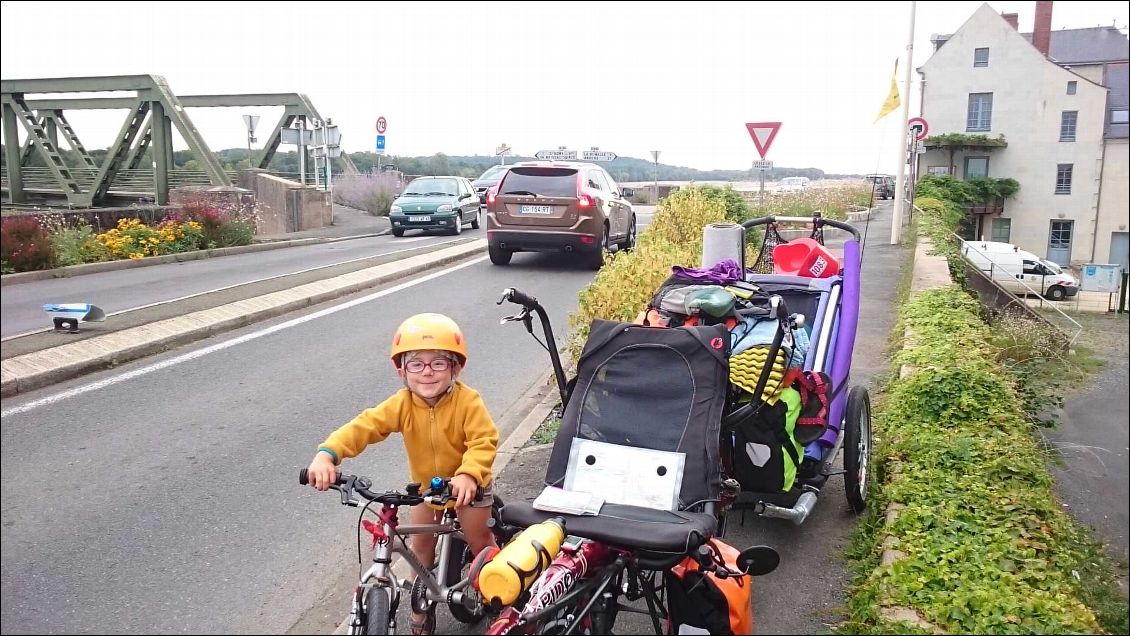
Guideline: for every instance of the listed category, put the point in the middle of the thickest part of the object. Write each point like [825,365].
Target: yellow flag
[893,97]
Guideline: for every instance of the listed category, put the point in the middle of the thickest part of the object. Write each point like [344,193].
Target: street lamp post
[251,121]
[655,174]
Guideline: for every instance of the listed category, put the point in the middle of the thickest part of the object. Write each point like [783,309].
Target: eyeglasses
[437,365]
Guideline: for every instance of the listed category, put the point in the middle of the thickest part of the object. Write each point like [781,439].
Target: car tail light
[492,194]
[584,200]
[588,240]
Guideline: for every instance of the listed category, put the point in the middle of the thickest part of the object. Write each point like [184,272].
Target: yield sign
[763,134]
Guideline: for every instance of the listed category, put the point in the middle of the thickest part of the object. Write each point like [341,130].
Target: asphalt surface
[169,502]
[805,595]
[122,290]
[1092,440]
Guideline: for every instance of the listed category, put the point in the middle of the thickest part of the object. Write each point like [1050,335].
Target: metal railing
[963,245]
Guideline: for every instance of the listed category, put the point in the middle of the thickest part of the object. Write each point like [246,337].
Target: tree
[438,164]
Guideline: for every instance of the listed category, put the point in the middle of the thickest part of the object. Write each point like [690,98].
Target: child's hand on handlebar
[463,489]
[322,472]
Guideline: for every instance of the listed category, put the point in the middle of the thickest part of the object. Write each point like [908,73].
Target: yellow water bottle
[515,567]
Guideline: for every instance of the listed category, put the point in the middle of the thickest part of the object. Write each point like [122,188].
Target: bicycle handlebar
[513,295]
[820,221]
[349,484]
[531,304]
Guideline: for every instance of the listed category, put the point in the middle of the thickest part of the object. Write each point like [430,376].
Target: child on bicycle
[446,428]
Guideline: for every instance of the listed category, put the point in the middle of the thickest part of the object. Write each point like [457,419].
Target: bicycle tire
[376,611]
[456,566]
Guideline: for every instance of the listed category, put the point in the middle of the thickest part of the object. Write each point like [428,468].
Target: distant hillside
[623,169]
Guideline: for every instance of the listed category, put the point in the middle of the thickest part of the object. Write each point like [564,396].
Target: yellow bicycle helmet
[428,331]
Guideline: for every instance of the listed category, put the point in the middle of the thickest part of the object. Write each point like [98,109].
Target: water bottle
[521,562]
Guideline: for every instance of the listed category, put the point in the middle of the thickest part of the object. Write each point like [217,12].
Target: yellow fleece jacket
[454,437]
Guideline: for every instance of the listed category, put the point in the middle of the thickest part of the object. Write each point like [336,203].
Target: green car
[435,203]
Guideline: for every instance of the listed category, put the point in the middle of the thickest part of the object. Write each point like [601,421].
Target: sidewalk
[347,222]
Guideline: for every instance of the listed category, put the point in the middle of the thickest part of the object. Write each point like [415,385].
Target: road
[127,289]
[168,501]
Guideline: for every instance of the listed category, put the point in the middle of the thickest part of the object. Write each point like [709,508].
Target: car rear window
[547,182]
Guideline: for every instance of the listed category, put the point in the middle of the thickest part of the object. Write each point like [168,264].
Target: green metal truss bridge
[151,114]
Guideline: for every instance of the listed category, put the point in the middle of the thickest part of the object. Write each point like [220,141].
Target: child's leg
[424,545]
[473,519]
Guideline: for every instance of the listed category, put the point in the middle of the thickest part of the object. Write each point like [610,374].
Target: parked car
[883,185]
[435,203]
[488,180]
[558,206]
[1020,271]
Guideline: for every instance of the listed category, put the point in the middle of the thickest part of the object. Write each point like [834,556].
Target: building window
[1067,125]
[980,117]
[1063,178]
[976,167]
[1060,238]
[980,57]
[1002,230]
[1119,116]
[938,170]
[1072,86]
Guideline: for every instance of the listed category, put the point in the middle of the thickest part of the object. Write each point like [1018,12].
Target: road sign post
[502,151]
[655,175]
[561,154]
[763,134]
[596,154]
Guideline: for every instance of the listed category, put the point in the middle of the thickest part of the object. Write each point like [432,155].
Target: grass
[546,432]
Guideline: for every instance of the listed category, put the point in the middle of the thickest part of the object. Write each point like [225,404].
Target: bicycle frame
[381,575]
[585,572]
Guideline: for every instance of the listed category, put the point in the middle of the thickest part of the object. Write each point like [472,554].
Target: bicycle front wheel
[376,611]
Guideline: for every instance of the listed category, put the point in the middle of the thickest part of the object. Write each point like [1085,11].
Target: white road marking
[250,282]
[101,384]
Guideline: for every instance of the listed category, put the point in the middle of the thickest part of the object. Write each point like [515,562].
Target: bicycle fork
[379,576]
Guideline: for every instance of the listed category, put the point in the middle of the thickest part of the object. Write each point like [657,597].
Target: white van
[1018,270]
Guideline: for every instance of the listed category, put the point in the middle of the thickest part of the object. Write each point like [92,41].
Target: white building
[1059,101]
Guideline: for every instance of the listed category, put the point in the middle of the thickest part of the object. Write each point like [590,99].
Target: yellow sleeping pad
[745,370]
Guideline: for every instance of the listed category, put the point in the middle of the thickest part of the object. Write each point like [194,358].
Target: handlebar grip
[515,296]
[304,478]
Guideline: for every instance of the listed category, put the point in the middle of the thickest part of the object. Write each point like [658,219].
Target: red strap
[813,383]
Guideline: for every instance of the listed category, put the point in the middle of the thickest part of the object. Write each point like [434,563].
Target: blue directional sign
[380,143]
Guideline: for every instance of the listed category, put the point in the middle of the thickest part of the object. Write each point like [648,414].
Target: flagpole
[900,182]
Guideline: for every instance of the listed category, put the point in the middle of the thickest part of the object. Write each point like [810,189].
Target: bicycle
[582,588]
[377,595]
[606,557]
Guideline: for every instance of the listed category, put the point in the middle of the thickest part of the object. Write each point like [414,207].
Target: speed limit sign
[382,125]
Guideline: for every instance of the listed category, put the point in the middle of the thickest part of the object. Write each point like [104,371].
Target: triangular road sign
[763,134]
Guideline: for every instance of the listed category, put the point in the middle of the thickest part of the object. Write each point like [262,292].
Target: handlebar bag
[706,604]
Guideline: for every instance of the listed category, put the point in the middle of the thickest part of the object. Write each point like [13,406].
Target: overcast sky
[460,78]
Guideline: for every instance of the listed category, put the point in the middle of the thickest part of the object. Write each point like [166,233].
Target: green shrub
[233,233]
[987,547]
[77,245]
[623,287]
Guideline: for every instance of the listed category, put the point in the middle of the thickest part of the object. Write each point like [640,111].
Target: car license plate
[419,219]
[536,209]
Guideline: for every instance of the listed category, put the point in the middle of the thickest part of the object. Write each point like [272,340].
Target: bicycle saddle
[623,526]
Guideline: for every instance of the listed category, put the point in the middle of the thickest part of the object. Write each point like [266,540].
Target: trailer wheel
[857,447]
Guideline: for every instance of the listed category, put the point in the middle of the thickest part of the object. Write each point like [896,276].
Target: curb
[71,271]
[57,364]
[920,280]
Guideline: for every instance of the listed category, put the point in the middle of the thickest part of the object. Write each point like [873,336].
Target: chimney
[1042,29]
[1013,19]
